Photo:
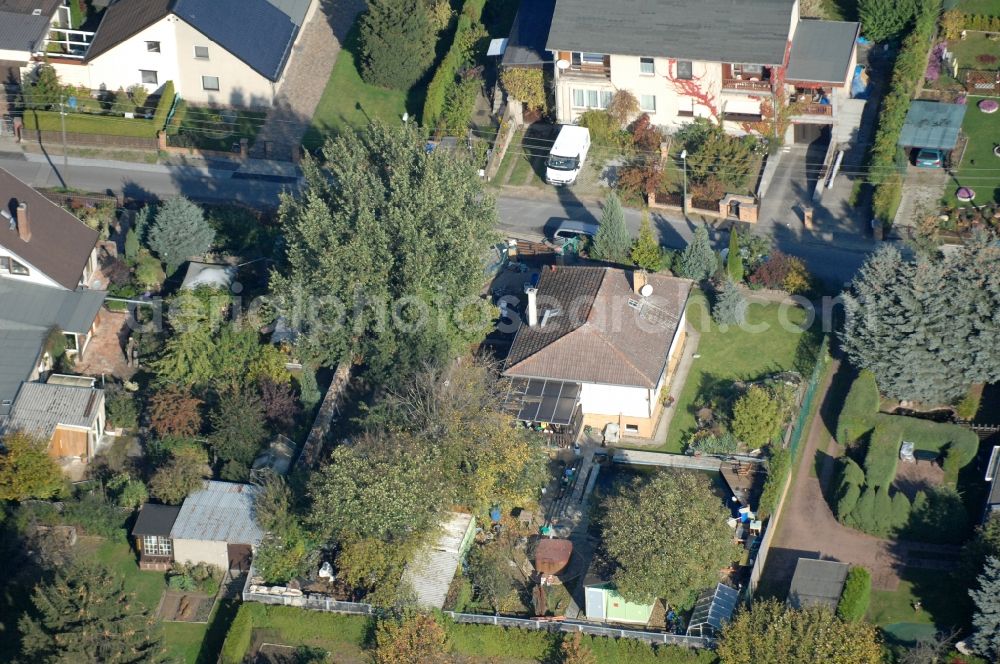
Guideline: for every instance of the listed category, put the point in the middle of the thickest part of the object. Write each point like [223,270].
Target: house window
[70,340]
[632,428]
[647,103]
[210,83]
[148,77]
[152,47]
[591,98]
[13,267]
[646,66]
[684,70]
[201,52]
[592,58]
[153,545]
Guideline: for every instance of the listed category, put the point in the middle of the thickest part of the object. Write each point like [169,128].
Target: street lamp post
[684,160]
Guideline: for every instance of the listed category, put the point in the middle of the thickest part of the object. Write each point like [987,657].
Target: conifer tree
[613,240]
[179,232]
[986,620]
[698,261]
[85,614]
[397,43]
[730,305]
[734,260]
[646,250]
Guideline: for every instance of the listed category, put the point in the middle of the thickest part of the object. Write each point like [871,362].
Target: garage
[807,134]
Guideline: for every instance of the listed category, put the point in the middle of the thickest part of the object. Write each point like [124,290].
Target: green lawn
[979,169]
[976,44]
[940,612]
[736,354]
[985,7]
[85,123]
[349,102]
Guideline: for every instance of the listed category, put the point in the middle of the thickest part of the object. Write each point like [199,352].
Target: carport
[932,125]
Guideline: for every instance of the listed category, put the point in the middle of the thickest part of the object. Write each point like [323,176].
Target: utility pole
[684,159]
[62,121]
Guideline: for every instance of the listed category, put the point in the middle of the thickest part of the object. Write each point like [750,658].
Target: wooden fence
[982,83]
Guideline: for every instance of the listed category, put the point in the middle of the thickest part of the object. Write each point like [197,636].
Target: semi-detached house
[726,60]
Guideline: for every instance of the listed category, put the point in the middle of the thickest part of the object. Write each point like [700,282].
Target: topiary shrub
[856,594]
[857,417]
[883,456]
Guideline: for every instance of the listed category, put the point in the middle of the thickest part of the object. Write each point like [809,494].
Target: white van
[567,155]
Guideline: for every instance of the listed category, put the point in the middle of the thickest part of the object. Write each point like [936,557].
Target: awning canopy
[932,124]
[540,400]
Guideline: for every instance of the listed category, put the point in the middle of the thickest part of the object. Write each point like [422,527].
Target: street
[834,259]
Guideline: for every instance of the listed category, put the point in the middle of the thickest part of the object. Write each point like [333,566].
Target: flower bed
[988,106]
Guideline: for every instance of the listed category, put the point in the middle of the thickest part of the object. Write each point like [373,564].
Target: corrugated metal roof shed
[220,512]
[433,567]
[39,407]
[932,124]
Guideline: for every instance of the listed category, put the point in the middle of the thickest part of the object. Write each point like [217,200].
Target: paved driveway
[306,76]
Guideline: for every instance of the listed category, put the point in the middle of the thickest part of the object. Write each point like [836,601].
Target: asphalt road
[833,259]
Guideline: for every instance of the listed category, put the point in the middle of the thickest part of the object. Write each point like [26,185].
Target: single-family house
[432,568]
[67,412]
[215,525]
[728,60]
[40,242]
[220,52]
[25,25]
[598,346]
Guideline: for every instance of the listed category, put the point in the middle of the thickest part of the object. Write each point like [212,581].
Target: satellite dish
[562,64]
[646,290]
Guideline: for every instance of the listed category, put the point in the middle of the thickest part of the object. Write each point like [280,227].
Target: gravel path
[305,79]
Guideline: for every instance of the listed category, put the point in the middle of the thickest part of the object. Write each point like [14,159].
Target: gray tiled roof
[39,407]
[20,348]
[20,30]
[821,51]
[528,34]
[220,512]
[43,306]
[597,336]
[155,520]
[743,31]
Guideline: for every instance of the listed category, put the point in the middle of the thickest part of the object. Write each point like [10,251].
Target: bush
[524,85]
[122,412]
[849,495]
[883,456]
[779,464]
[857,417]
[781,272]
[640,177]
[709,443]
[900,511]
[397,43]
[459,104]
[957,444]
[96,516]
[468,30]
[854,598]
[604,131]
[884,19]
[164,105]
[240,633]
[849,472]
[938,516]
[863,515]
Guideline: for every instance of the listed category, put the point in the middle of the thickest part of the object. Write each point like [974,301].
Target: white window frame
[152,47]
[204,85]
[647,108]
[590,98]
[643,63]
[154,545]
[15,267]
[201,57]
[155,77]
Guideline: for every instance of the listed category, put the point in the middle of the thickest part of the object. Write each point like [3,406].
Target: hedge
[291,625]
[857,417]
[883,455]
[958,444]
[981,22]
[856,594]
[778,466]
[111,125]
[446,72]
[907,72]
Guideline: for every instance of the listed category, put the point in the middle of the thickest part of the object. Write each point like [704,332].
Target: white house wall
[615,400]
[34,276]
[119,67]
[201,551]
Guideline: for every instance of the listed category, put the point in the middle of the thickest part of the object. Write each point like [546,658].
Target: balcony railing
[746,85]
[589,70]
[813,108]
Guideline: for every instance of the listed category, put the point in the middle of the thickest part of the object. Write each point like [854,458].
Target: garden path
[808,528]
[305,79]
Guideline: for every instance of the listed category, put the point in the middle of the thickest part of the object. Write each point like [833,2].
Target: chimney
[532,307]
[638,281]
[23,224]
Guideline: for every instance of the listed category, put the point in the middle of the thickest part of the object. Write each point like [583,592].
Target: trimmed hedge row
[883,455]
[857,417]
[906,74]
[856,594]
[444,77]
[958,444]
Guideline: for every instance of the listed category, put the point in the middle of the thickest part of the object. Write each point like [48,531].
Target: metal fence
[319,603]
[796,434]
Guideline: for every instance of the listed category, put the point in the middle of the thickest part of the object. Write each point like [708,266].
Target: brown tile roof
[60,244]
[123,19]
[592,334]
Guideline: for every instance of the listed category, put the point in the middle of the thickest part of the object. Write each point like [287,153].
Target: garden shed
[433,567]
[605,604]
[817,583]
[216,525]
[932,125]
[712,610]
